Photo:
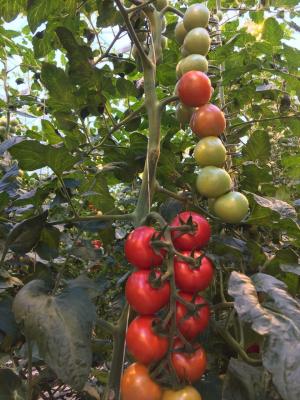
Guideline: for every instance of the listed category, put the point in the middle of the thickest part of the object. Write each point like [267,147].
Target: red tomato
[194,240]
[138,250]
[142,296]
[143,343]
[192,326]
[136,384]
[208,120]
[194,89]
[190,279]
[254,348]
[189,366]
[97,244]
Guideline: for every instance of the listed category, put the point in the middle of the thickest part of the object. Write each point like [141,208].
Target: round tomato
[194,89]
[232,207]
[197,41]
[212,182]
[210,151]
[143,343]
[193,62]
[138,249]
[97,244]
[188,366]
[192,326]
[196,15]
[193,240]
[190,279]
[187,393]
[180,32]
[208,120]
[142,296]
[136,384]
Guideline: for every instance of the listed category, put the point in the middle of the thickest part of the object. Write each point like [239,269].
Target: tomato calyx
[188,226]
[191,307]
[155,280]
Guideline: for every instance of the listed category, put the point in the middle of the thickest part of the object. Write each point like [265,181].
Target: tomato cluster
[206,120]
[148,291]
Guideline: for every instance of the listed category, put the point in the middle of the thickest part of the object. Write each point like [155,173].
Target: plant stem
[254,121]
[104,217]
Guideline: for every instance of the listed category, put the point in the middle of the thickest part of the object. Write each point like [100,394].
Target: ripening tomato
[193,240]
[143,343]
[194,89]
[187,393]
[190,279]
[142,296]
[208,120]
[188,366]
[97,244]
[136,384]
[192,326]
[138,249]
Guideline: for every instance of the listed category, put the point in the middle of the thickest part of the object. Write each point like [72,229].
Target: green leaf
[49,132]
[108,14]
[61,326]
[272,31]
[252,176]
[9,9]
[257,16]
[292,165]
[258,147]
[48,246]
[11,386]
[8,324]
[38,11]
[33,155]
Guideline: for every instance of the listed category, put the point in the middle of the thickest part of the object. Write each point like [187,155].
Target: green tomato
[178,69]
[210,151]
[232,207]
[160,4]
[212,182]
[196,16]
[194,62]
[184,113]
[183,51]
[180,32]
[220,15]
[197,41]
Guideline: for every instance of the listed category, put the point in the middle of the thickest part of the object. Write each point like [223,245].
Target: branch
[254,121]
[131,32]
[140,7]
[163,103]
[172,10]
[105,217]
[106,53]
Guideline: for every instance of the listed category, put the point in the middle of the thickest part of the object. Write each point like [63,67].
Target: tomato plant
[210,151]
[192,279]
[136,383]
[232,207]
[191,326]
[199,235]
[143,343]
[208,120]
[189,366]
[194,89]
[138,249]
[212,182]
[144,297]
[197,15]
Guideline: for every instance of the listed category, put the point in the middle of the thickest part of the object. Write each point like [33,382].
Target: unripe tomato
[212,182]
[180,32]
[208,120]
[184,113]
[192,326]
[232,207]
[197,15]
[187,393]
[136,384]
[190,279]
[188,366]
[193,62]
[142,296]
[194,89]
[210,151]
[192,240]
[138,249]
[197,41]
[143,343]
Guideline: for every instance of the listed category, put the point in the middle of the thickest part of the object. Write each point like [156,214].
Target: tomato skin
[189,366]
[138,250]
[187,393]
[192,326]
[192,280]
[208,120]
[136,384]
[142,297]
[97,244]
[194,240]
[143,343]
[194,89]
